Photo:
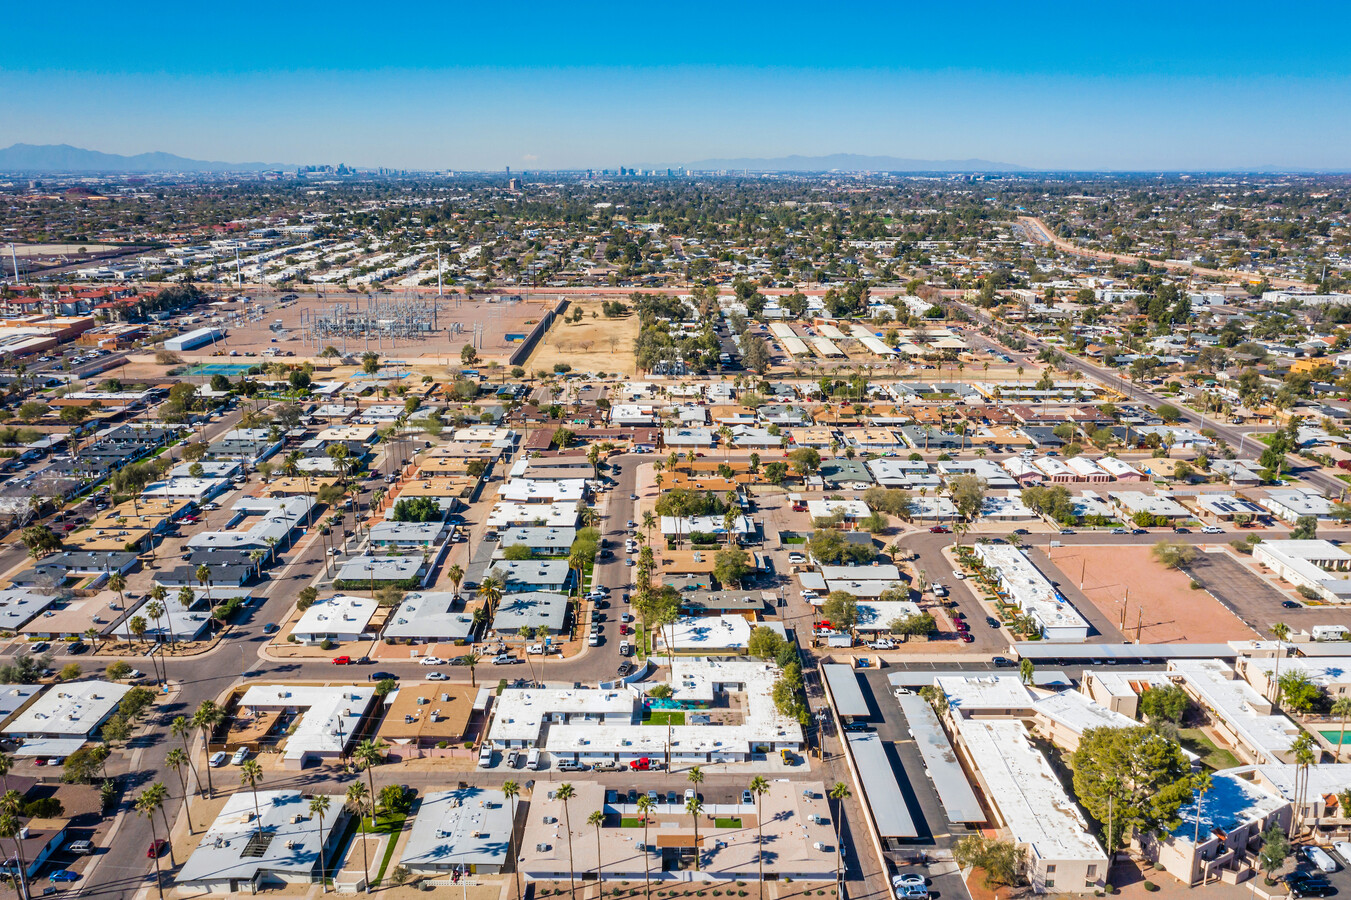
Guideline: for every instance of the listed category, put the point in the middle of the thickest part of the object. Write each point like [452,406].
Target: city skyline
[540,88]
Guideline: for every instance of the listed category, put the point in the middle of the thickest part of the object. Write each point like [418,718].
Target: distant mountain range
[853,162]
[51,158]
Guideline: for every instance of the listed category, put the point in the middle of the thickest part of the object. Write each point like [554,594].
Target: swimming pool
[220,368]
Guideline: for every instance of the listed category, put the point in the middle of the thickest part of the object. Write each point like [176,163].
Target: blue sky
[479,86]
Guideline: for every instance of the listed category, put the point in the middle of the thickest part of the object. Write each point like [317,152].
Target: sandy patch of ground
[1161,603]
[591,345]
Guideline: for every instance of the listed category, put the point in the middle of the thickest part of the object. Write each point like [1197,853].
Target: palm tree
[758,788]
[456,575]
[1302,749]
[368,754]
[11,827]
[695,807]
[649,522]
[178,760]
[6,763]
[511,790]
[839,793]
[525,633]
[565,793]
[645,804]
[357,798]
[470,660]
[203,576]
[597,819]
[205,719]
[1282,632]
[1341,707]
[156,611]
[181,728]
[319,805]
[146,804]
[1201,783]
[117,583]
[251,773]
[490,589]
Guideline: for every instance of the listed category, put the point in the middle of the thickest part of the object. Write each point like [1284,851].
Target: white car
[809,595]
[437,676]
[218,759]
[535,649]
[432,661]
[1343,849]
[1212,529]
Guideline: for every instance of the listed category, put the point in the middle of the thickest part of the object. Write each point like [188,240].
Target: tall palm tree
[146,805]
[456,575]
[839,793]
[490,589]
[1303,751]
[597,819]
[203,576]
[205,720]
[645,804]
[368,754]
[357,798]
[1341,707]
[758,788]
[11,827]
[470,660]
[1201,783]
[181,728]
[511,790]
[178,761]
[251,773]
[319,805]
[6,763]
[695,807]
[525,633]
[1282,632]
[649,522]
[565,792]
[156,611]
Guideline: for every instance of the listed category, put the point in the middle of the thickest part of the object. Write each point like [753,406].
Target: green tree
[730,566]
[1164,703]
[695,807]
[1004,863]
[1275,850]
[839,792]
[511,790]
[358,798]
[1306,529]
[1173,554]
[369,754]
[758,788]
[1141,774]
[205,719]
[804,460]
[566,792]
[841,610]
[1297,691]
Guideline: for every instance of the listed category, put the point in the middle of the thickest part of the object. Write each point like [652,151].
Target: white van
[485,756]
[532,762]
[1320,859]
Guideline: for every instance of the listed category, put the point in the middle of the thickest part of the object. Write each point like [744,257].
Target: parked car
[431,661]
[513,759]
[1343,849]
[1212,529]
[503,659]
[218,759]
[1320,858]
[908,879]
[940,529]
[240,755]
[271,628]
[571,765]
[63,875]
[382,676]
[342,660]
[992,621]
[157,848]
[437,676]
[1290,604]
[1003,662]
[1308,884]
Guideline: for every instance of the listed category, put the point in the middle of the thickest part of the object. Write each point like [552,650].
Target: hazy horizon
[1058,87]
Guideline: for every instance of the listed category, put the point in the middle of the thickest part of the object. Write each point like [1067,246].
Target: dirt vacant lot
[591,345]
[1161,600]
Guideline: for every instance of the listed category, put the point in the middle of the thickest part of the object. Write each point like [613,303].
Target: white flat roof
[69,710]
[1238,703]
[1024,788]
[331,713]
[342,613]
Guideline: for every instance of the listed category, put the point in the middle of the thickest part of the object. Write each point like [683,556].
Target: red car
[642,764]
[157,848]
[342,660]
[940,529]
[965,636]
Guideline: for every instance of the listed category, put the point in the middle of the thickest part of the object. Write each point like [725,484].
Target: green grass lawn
[727,823]
[630,823]
[1196,741]
[390,825]
[664,717]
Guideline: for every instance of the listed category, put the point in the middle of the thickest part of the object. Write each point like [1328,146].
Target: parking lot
[1255,600]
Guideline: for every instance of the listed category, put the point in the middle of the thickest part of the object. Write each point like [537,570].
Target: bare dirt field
[592,345]
[498,322]
[1161,599]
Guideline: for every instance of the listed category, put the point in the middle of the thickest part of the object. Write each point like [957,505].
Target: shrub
[1194,585]
[327,645]
[1108,889]
[1151,886]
